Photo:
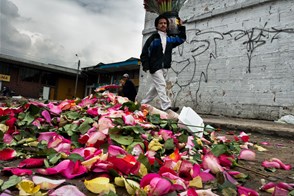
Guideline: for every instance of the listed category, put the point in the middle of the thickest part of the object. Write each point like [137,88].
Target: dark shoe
[175,109]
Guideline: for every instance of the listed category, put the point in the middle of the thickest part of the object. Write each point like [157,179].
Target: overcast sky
[53,31]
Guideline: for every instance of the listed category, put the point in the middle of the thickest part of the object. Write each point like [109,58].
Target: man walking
[156,58]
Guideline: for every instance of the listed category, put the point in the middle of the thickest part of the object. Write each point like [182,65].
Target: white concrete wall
[238,59]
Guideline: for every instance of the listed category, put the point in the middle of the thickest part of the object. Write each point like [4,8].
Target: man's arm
[145,55]
[180,38]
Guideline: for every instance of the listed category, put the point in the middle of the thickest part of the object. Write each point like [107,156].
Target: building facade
[40,81]
[237,61]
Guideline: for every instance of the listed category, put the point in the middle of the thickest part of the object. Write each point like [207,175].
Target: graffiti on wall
[207,43]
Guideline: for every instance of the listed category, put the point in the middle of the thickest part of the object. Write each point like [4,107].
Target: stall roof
[129,64]
[37,65]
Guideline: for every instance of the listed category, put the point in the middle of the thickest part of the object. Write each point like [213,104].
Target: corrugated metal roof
[38,65]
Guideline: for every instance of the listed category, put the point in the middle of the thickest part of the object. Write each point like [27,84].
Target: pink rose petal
[17,171]
[129,119]
[211,162]
[247,155]
[31,162]
[46,183]
[160,186]
[147,178]
[7,154]
[67,190]
[280,192]
[246,191]
[284,166]
[47,116]
[271,164]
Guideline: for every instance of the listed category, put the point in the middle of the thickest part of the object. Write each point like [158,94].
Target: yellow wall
[66,89]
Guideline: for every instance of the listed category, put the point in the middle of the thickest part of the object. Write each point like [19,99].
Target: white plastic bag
[289,119]
[190,120]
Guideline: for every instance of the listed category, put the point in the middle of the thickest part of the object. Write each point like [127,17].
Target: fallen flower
[226,160]
[27,187]
[67,168]
[193,192]
[247,155]
[237,175]
[126,164]
[131,186]
[246,191]
[211,162]
[7,154]
[67,190]
[155,145]
[280,192]
[100,185]
[17,171]
[6,193]
[31,163]
[283,165]
[271,164]
[260,148]
[46,183]
[155,185]
[244,137]
[271,186]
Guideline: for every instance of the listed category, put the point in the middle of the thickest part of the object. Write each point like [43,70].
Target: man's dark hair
[158,18]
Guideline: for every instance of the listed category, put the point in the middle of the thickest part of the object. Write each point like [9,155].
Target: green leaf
[163,123]
[144,160]
[74,140]
[197,157]
[75,157]
[28,118]
[174,126]
[234,147]
[12,181]
[54,158]
[135,129]
[72,115]
[84,127]
[118,121]
[42,145]
[34,110]
[155,118]
[47,165]
[169,144]
[124,140]
[131,105]
[219,149]
[228,191]
[3,118]
[183,138]
[1,136]
[111,193]
[1,182]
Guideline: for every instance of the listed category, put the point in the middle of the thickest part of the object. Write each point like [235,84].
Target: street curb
[249,125]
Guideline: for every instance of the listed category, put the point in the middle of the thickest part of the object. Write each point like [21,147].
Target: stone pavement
[250,125]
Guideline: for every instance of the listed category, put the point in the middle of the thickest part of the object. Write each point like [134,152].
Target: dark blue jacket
[129,90]
[152,57]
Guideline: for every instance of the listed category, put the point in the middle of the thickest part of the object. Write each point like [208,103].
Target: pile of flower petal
[110,143]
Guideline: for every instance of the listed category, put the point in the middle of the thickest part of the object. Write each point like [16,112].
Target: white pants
[158,87]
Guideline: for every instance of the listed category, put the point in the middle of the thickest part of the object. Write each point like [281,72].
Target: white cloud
[54,31]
